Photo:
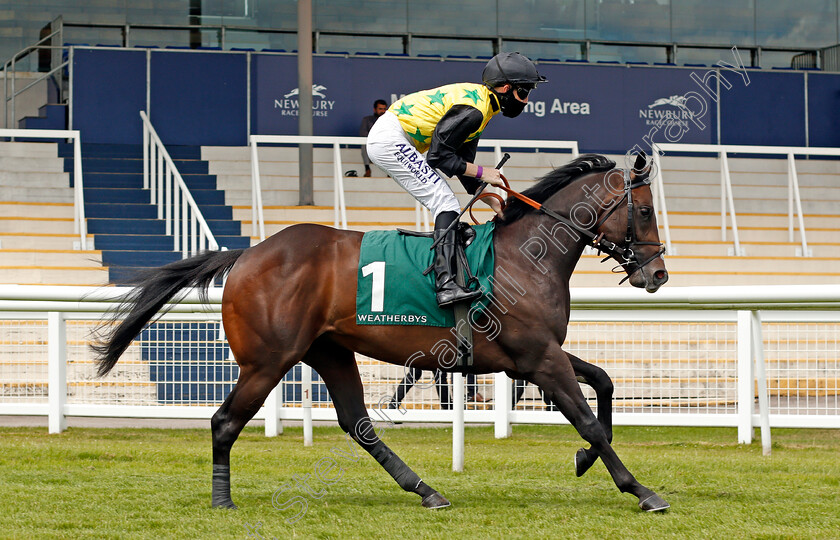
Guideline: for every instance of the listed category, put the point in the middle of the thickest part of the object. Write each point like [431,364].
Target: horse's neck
[538,242]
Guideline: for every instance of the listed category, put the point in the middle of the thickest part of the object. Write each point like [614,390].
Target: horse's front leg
[556,376]
[598,379]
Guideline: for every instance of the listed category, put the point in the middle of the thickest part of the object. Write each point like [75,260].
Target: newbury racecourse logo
[290,105]
[667,111]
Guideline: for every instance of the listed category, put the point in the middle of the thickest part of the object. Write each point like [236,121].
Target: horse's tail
[154,289]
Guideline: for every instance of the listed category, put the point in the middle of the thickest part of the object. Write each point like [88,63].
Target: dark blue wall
[109,90]
[200,98]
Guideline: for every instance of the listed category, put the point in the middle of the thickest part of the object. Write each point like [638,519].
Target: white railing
[175,203]
[737,314]
[339,205]
[727,203]
[79,223]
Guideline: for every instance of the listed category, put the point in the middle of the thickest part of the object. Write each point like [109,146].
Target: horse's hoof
[582,462]
[225,504]
[654,503]
[435,501]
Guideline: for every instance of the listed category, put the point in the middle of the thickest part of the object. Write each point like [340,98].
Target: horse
[292,298]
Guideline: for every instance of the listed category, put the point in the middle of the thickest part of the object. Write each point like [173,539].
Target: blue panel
[109,91]
[824,107]
[768,111]
[199,99]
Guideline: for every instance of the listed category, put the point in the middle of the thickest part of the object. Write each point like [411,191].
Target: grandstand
[209,84]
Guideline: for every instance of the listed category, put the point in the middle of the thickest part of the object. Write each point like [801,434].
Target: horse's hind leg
[241,405]
[338,369]
[556,377]
[598,379]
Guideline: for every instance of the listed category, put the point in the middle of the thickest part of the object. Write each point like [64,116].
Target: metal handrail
[339,205]
[727,202]
[79,222]
[175,204]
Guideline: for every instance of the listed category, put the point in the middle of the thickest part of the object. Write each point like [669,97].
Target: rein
[598,241]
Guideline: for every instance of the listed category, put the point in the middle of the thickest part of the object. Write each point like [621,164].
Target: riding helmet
[510,68]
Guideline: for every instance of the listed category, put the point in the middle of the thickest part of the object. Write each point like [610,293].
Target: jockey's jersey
[420,112]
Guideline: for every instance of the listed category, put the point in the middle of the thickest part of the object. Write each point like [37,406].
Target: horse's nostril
[660,275]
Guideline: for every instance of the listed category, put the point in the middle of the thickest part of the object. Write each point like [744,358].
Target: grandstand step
[135,181]
[41,241]
[137,258]
[41,194]
[33,179]
[131,165]
[20,224]
[53,275]
[35,209]
[130,151]
[25,164]
[48,258]
[29,150]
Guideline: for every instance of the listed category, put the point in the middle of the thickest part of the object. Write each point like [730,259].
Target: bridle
[625,253]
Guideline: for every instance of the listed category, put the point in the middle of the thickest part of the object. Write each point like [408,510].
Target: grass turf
[146,483]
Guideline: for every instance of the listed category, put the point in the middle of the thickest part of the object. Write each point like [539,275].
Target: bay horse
[292,298]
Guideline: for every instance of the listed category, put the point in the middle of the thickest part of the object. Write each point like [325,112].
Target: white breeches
[390,148]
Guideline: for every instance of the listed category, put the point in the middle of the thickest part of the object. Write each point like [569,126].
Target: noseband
[625,253]
[628,253]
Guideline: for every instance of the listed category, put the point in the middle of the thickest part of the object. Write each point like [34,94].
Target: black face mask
[510,106]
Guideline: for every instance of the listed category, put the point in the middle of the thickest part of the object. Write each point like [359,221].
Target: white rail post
[152,170]
[746,388]
[501,405]
[338,198]
[658,185]
[168,200]
[176,220]
[306,403]
[79,186]
[458,422]
[790,202]
[160,169]
[145,155]
[417,215]
[57,371]
[731,202]
[255,175]
[722,196]
[796,196]
[761,378]
[273,422]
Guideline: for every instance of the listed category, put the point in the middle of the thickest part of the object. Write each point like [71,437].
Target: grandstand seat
[548,59]
[608,62]
[482,57]
[424,55]
[401,54]
[664,64]
[366,53]
[576,60]
[242,49]
[633,63]
[458,56]
[695,65]
[343,53]
[110,46]
[274,50]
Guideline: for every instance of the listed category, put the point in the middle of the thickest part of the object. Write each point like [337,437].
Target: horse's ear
[641,168]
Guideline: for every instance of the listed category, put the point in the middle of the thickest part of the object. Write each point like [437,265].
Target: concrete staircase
[37,242]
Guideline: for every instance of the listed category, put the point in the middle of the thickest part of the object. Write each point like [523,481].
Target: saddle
[465,278]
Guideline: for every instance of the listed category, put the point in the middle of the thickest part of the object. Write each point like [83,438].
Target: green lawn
[145,483]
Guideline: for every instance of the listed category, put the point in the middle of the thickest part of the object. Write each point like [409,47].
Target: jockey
[445,124]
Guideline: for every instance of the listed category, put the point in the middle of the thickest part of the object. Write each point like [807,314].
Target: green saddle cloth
[391,287]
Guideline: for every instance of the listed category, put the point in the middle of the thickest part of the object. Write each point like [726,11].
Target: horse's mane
[553,182]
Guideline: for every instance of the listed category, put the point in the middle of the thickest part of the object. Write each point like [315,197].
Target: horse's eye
[645,211]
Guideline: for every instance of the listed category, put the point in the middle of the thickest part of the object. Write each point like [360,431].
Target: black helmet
[510,68]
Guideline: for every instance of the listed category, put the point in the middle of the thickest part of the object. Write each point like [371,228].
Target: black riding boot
[448,291]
